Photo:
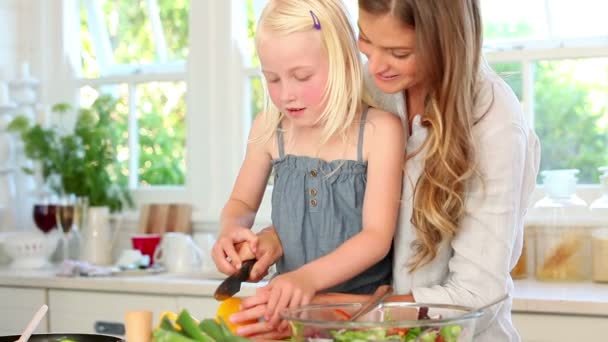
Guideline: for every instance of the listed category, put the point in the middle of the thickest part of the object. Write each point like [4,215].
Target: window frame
[216,70]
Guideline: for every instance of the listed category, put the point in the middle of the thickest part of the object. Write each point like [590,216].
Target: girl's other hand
[254,308]
[224,251]
[288,290]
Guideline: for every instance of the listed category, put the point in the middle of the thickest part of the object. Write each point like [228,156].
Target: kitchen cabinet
[91,312]
[551,328]
[18,305]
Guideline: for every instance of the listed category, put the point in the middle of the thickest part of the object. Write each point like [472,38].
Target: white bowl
[30,250]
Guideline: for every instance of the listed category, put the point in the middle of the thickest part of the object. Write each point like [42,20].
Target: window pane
[571,115]
[257,96]
[174,17]
[120,117]
[253,9]
[132,32]
[162,130]
[512,74]
[161,109]
[543,19]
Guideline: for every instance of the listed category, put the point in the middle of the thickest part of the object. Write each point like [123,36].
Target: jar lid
[560,183]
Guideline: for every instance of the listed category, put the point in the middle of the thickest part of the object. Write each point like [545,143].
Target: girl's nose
[287,93]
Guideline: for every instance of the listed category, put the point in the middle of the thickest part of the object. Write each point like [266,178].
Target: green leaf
[62,107]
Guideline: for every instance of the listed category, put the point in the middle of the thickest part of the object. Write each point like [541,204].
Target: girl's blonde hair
[448,48]
[344,91]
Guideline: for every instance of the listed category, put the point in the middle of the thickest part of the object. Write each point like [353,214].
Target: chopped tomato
[439,339]
[398,331]
[343,314]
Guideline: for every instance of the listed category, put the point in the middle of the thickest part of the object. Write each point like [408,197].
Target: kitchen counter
[530,296]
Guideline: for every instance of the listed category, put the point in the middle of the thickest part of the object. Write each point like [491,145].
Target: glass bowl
[387,322]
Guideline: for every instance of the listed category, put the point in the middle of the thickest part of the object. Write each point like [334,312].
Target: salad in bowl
[398,322]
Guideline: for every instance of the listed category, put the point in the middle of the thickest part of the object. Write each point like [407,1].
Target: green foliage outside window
[160,106]
[570,118]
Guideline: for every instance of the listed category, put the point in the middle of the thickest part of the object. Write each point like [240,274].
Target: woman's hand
[288,290]
[224,251]
[268,250]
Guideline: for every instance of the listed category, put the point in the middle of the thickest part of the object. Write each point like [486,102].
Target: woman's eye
[361,39]
[401,55]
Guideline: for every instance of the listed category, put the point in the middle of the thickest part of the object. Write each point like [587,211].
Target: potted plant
[84,159]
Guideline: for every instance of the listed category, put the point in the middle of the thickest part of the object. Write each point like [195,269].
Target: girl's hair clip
[315,21]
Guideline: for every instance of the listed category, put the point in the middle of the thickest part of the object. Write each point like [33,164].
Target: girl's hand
[268,250]
[224,251]
[253,308]
[288,290]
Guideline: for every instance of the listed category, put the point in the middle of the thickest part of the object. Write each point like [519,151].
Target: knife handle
[243,273]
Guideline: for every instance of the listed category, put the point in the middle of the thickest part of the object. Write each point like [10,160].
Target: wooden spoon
[33,324]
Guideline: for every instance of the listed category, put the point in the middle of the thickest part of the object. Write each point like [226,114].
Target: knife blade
[232,285]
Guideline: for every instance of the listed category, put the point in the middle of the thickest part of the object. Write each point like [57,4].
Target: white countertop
[530,296]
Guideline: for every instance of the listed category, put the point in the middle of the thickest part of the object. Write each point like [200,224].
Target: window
[555,57]
[136,51]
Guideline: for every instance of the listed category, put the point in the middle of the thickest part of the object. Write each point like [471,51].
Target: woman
[471,166]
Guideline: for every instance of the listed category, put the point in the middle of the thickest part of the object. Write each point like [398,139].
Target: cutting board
[162,218]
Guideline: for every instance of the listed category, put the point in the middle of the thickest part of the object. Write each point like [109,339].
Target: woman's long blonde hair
[448,51]
[344,92]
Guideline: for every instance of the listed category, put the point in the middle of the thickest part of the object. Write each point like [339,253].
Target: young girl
[337,162]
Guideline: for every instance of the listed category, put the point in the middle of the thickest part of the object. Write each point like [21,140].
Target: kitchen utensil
[33,324]
[161,218]
[328,321]
[30,250]
[379,295]
[147,244]
[97,238]
[178,254]
[232,285]
[62,337]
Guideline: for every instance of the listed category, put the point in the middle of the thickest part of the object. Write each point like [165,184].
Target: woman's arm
[488,241]
[239,212]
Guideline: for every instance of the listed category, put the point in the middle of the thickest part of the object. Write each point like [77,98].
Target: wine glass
[44,213]
[65,211]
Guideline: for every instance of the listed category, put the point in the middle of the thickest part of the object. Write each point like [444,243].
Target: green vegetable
[190,327]
[161,335]
[450,333]
[207,330]
[212,329]
[166,324]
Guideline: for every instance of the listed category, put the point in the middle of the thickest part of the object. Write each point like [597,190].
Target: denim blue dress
[316,206]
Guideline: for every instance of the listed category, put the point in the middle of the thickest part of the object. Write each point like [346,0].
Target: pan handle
[109,328]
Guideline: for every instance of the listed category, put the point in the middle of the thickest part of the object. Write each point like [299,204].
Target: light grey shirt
[474,267]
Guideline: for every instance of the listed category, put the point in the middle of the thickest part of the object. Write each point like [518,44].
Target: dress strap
[280,141]
[361,130]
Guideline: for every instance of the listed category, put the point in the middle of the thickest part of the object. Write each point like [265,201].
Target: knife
[232,285]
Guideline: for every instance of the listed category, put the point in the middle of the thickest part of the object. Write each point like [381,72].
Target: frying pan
[60,337]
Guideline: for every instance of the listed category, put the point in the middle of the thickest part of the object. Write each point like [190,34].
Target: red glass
[45,217]
[146,244]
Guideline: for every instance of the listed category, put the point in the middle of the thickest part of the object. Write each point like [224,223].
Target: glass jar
[599,237]
[525,263]
[563,247]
